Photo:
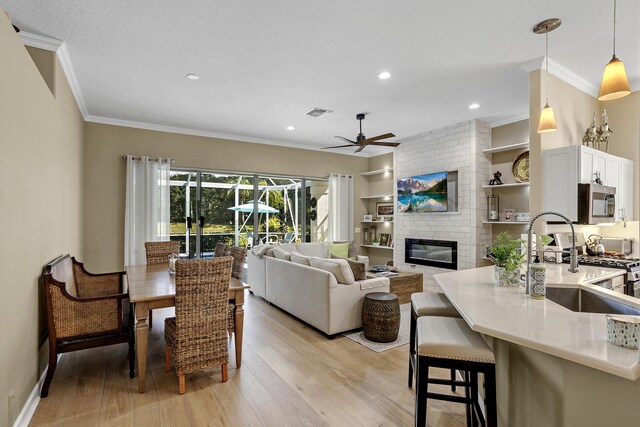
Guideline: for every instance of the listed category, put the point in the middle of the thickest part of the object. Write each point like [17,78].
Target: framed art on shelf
[384,209]
[368,218]
[384,239]
[508,215]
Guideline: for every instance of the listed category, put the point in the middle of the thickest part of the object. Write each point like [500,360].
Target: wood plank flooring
[291,375]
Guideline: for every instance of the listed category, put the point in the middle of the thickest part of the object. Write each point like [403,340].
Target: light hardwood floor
[291,375]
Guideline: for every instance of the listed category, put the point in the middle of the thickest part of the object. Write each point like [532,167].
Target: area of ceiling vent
[317,112]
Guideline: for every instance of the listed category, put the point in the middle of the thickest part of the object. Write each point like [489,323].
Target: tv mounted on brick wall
[423,193]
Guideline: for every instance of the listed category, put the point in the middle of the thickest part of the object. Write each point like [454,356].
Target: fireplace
[434,253]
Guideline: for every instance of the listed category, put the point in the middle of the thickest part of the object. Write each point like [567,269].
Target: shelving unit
[513,194]
[381,184]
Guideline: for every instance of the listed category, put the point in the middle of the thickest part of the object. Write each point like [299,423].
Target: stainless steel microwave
[596,204]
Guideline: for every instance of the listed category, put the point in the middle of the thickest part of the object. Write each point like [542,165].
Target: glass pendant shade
[547,120]
[614,81]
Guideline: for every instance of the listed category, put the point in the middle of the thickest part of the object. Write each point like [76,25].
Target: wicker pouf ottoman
[381,317]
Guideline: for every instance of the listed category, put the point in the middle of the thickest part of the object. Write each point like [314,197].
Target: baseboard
[30,406]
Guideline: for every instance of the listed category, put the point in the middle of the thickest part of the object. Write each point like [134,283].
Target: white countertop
[541,324]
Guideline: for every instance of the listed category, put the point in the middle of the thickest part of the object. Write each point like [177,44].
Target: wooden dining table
[151,286]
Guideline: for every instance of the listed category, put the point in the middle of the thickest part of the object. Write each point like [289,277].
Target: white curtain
[340,207]
[146,206]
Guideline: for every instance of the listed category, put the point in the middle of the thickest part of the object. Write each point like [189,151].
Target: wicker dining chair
[196,339]
[221,249]
[84,310]
[239,255]
[158,253]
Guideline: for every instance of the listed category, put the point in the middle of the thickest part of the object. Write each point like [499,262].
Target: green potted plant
[376,242]
[506,254]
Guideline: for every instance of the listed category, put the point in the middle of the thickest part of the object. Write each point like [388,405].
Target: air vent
[317,112]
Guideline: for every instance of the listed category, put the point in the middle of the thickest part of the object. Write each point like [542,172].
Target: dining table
[153,286]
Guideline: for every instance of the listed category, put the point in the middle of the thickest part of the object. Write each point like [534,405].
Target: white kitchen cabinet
[563,168]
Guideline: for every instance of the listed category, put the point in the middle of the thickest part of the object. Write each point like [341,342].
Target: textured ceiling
[263,64]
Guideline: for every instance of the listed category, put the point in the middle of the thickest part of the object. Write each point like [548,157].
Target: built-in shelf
[378,196]
[506,222]
[377,222]
[506,148]
[377,247]
[377,172]
[515,184]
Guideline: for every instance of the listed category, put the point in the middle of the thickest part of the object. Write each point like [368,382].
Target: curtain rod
[153,159]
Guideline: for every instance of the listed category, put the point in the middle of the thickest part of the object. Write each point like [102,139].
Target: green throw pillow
[340,250]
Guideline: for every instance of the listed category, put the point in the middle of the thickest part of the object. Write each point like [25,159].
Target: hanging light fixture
[615,83]
[547,121]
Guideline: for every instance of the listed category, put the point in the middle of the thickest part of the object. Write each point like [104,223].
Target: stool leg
[467,395]
[474,397]
[490,399]
[412,346]
[453,378]
[422,384]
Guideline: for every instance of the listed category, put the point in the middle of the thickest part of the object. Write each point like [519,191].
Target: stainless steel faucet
[573,261]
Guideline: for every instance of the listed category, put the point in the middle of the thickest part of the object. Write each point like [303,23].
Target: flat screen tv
[423,193]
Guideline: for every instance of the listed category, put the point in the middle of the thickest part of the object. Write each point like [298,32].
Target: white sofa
[311,294]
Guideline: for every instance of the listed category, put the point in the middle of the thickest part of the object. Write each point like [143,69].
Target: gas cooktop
[628,263]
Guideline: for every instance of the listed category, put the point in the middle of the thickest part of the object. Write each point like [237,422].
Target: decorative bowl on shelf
[378,268]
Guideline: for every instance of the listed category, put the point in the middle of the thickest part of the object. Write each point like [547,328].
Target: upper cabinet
[563,168]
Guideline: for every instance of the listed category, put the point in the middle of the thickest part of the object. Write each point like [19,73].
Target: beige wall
[41,180]
[105,175]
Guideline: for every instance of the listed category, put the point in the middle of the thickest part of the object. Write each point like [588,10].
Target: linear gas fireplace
[434,253]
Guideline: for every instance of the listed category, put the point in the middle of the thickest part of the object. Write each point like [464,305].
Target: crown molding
[60,48]
[206,134]
[563,73]
[508,120]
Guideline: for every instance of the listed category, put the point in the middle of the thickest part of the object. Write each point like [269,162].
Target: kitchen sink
[583,301]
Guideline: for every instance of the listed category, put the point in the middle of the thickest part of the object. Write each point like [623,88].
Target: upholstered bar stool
[448,343]
[427,304]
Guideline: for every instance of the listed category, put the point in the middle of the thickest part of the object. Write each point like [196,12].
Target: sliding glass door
[240,209]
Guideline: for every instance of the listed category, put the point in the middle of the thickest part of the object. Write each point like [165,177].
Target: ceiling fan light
[547,121]
[615,83]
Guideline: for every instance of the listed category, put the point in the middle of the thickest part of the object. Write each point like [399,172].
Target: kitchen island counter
[540,324]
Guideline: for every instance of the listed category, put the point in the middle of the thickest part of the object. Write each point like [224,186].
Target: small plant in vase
[505,254]
[376,242]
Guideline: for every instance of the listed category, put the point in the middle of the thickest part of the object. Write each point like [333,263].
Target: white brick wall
[454,148]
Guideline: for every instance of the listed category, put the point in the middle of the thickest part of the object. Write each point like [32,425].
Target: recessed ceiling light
[291,127]
[474,106]
[193,76]
[384,75]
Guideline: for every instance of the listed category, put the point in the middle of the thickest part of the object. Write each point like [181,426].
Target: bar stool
[450,344]
[427,304]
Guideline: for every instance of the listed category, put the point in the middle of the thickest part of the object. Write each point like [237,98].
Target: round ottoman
[381,317]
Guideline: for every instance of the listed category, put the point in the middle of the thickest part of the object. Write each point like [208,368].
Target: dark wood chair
[196,338]
[84,310]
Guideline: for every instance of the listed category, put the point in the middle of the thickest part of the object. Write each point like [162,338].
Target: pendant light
[614,79]
[547,121]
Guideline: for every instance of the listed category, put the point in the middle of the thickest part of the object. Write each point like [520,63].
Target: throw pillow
[353,251]
[340,250]
[359,269]
[299,258]
[281,254]
[338,267]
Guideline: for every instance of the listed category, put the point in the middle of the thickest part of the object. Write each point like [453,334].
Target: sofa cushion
[288,247]
[311,249]
[338,267]
[341,250]
[300,259]
[353,250]
[281,254]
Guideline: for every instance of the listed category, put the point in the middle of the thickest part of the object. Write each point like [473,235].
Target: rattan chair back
[158,252]
[202,309]
[239,254]
[221,249]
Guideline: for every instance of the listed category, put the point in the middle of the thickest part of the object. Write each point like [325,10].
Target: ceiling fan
[362,141]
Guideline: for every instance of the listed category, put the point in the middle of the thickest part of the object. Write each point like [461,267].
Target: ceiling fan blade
[345,139]
[360,148]
[337,146]
[376,138]
[386,144]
